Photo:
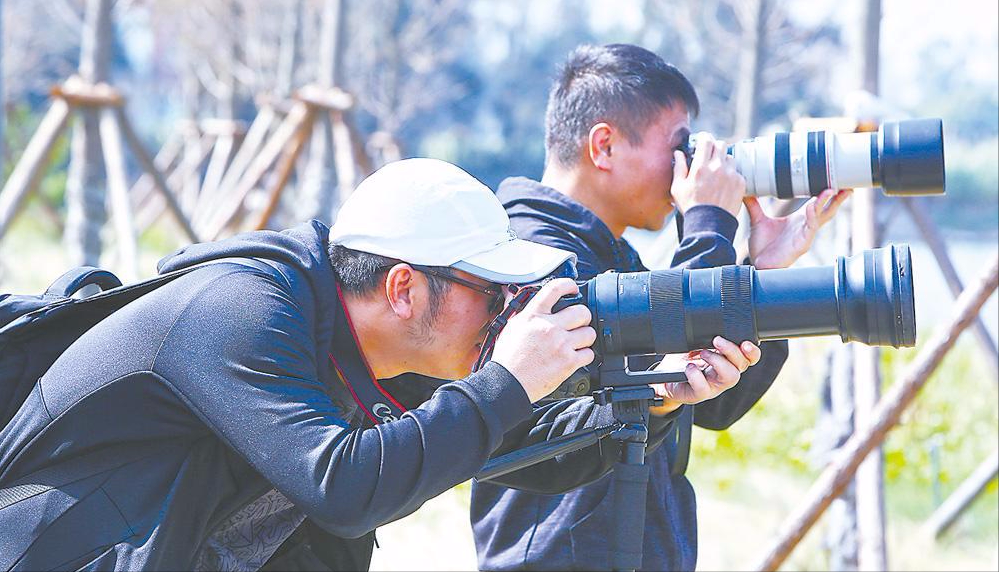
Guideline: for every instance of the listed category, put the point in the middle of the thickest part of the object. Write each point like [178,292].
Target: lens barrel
[910,157]
[867,298]
[903,157]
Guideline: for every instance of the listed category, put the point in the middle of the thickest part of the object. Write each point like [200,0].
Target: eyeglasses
[494,291]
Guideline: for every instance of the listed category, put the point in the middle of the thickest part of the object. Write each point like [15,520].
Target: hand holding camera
[711,179]
[540,348]
[709,372]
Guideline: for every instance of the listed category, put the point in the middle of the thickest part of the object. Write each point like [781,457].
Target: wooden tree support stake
[252,142]
[947,513]
[840,471]
[75,94]
[284,172]
[233,201]
[143,189]
[931,235]
[284,145]
[158,182]
[121,208]
[28,171]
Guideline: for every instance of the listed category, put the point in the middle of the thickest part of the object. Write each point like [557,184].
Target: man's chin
[656,225]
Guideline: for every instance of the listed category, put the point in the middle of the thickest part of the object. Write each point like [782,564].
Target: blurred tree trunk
[871,45]
[753,15]
[85,193]
[836,424]
[190,185]
[318,192]
[231,57]
[872,553]
[856,534]
[291,34]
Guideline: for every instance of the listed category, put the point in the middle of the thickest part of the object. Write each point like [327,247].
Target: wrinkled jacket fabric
[516,530]
[233,444]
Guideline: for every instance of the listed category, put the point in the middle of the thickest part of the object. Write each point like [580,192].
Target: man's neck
[367,318]
[581,187]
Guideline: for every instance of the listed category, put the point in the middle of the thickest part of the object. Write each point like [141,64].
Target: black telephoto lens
[867,298]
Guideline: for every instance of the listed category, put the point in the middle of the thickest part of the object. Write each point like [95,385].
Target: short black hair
[361,273]
[620,83]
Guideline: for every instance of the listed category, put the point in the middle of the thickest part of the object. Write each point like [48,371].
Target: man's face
[453,340]
[643,172]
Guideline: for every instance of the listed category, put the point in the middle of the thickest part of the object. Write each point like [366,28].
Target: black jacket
[202,425]
[515,530]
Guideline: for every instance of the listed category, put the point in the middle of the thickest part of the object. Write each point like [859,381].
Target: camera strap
[499,322]
[524,293]
[678,447]
[354,372]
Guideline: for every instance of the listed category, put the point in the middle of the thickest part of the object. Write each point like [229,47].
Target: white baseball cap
[430,212]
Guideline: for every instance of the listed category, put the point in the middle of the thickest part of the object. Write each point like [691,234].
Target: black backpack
[35,330]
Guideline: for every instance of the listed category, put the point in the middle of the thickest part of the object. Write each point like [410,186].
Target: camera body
[904,158]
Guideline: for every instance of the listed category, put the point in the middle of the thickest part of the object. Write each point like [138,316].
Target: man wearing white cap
[234,418]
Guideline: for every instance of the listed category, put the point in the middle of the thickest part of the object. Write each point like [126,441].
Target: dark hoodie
[516,530]
[199,427]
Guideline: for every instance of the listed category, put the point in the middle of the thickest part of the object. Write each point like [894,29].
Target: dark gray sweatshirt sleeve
[708,232]
[246,365]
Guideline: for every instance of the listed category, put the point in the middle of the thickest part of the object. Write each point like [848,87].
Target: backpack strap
[678,452]
[111,286]
[76,278]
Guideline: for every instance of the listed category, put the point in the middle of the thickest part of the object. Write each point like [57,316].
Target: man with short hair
[233,418]
[617,118]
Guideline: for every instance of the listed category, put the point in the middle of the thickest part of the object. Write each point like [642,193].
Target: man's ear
[401,290]
[598,145]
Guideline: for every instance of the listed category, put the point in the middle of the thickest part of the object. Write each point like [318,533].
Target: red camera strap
[499,322]
[353,370]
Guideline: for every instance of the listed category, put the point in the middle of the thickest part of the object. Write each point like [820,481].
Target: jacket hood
[302,247]
[533,206]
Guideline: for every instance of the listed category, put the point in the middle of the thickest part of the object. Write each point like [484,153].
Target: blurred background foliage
[468,81]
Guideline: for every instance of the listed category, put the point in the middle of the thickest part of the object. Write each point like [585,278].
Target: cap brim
[515,262]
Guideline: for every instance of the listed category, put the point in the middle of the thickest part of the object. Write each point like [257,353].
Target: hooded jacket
[203,427]
[517,530]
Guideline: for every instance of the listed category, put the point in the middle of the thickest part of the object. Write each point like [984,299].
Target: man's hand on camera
[724,366]
[711,179]
[778,242]
[542,349]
